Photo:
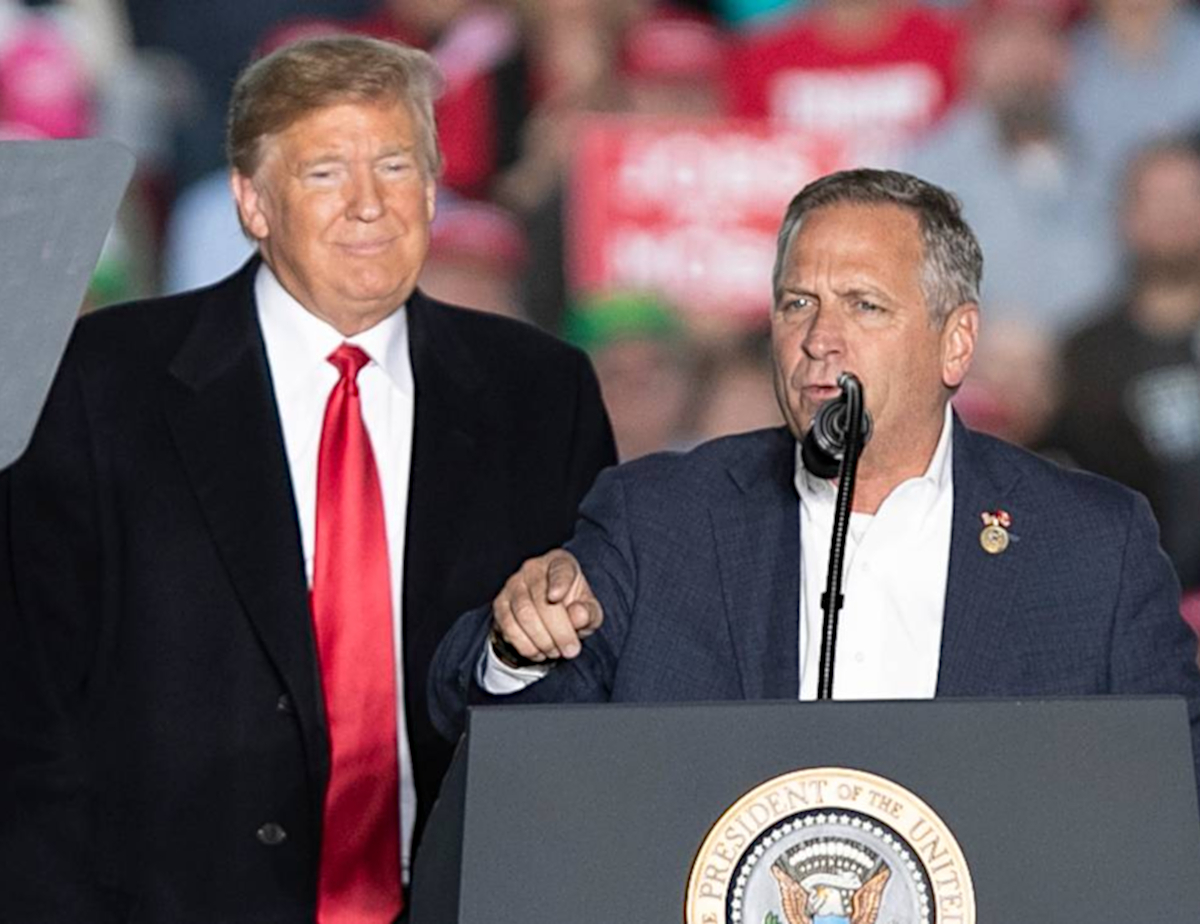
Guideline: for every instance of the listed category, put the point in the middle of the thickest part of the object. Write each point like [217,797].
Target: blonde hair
[276,91]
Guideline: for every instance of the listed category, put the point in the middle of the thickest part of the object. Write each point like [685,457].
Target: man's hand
[546,609]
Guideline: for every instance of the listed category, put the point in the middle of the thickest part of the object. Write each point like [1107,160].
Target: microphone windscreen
[818,460]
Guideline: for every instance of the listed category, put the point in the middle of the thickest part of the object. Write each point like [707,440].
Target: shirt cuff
[498,679]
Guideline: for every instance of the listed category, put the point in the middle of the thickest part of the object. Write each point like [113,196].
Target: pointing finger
[586,616]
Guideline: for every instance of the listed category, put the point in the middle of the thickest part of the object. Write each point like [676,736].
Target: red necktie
[359,877]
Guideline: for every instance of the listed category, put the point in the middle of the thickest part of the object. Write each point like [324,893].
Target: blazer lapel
[225,425]
[756,530]
[980,584]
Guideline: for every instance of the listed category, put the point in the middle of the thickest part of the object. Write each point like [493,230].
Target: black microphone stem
[832,599]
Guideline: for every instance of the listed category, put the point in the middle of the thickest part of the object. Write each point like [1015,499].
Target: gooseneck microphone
[824,444]
[831,447]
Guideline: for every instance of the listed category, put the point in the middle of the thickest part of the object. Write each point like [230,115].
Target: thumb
[562,573]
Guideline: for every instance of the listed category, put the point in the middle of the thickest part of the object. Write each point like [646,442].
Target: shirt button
[860,657]
[271,834]
[284,703]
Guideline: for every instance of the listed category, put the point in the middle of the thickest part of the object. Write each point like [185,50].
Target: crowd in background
[1068,129]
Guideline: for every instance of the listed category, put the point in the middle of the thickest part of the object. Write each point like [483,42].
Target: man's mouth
[820,391]
[366,248]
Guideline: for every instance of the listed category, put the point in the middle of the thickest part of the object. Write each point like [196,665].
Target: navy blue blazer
[695,559]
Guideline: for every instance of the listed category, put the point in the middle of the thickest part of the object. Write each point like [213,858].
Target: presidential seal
[829,846]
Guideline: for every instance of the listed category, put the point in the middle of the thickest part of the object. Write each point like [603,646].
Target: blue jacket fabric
[695,559]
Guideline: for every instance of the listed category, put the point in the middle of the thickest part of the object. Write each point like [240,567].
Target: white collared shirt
[894,583]
[298,344]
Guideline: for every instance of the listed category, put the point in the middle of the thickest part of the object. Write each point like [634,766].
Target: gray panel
[58,202]
[439,861]
[1066,810]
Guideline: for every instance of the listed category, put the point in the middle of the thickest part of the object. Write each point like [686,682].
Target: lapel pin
[995,537]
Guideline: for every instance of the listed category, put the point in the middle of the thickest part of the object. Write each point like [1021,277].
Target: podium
[1079,811]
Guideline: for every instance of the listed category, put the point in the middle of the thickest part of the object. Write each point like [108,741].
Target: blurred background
[616,171]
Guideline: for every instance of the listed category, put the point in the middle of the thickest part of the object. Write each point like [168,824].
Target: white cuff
[500,679]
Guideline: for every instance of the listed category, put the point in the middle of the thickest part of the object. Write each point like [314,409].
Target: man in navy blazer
[689,578]
[165,746]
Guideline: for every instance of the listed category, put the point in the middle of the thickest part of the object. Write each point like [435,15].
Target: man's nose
[364,201]
[824,335]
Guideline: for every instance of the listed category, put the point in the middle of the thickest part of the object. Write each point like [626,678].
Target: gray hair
[952,269]
[278,90]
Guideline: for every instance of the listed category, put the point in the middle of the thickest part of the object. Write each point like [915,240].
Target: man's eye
[869,307]
[395,167]
[798,303]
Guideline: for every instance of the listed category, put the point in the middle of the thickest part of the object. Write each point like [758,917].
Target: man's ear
[250,206]
[959,336]
[431,200]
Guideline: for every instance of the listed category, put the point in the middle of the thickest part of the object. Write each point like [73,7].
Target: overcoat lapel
[980,585]
[225,425]
[451,467]
[757,534]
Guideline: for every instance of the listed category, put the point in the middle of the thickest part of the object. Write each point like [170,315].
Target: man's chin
[377,292]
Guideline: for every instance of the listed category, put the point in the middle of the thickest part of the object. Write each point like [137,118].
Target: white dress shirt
[298,344]
[894,583]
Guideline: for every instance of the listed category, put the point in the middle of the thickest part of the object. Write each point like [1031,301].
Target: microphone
[824,444]
[832,446]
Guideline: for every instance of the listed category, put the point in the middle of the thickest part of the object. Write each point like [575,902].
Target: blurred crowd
[1068,128]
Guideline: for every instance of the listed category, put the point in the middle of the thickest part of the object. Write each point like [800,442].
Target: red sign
[687,209]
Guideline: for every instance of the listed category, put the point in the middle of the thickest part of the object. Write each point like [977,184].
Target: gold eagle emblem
[833,879]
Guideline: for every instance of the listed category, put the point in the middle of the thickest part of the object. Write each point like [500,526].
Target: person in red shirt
[870,75]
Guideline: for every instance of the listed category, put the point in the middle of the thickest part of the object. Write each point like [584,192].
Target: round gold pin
[994,539]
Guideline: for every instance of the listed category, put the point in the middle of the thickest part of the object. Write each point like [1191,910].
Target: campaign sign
[688,209]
